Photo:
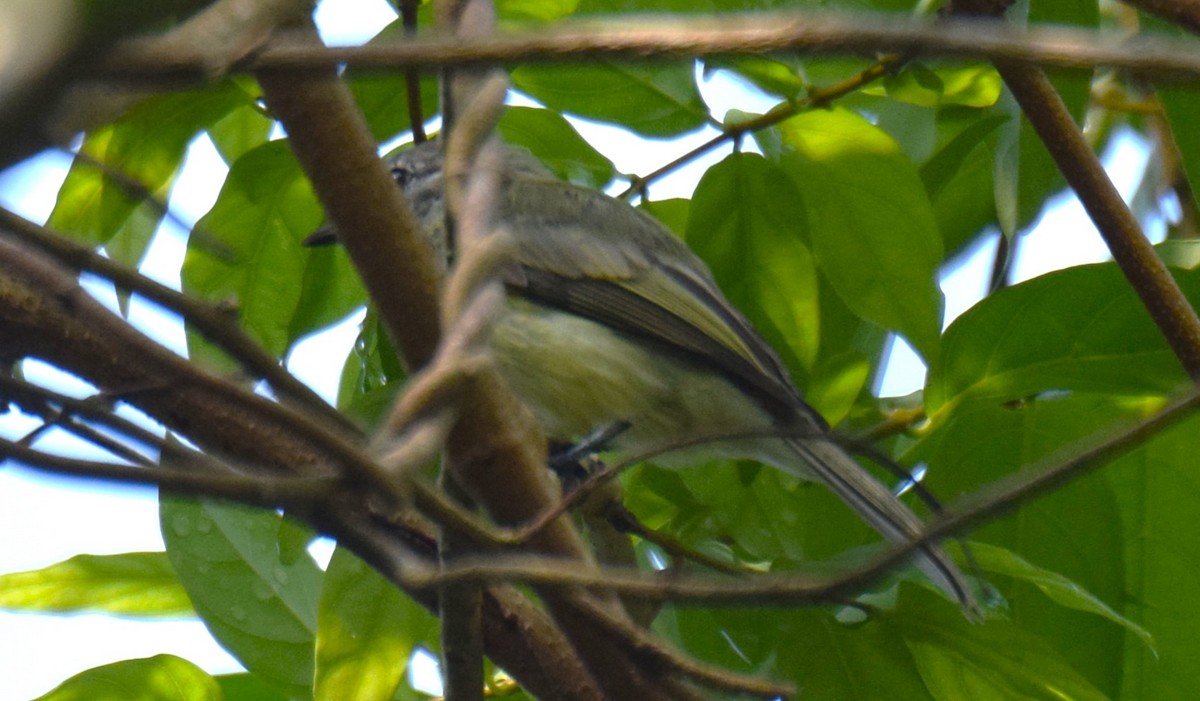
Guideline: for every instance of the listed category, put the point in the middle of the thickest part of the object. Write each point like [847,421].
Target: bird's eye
[401,175]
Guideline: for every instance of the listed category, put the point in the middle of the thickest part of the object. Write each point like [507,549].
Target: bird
[610,319]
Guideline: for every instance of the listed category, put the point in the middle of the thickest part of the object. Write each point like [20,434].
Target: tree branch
[693,36]
[373,220]
[1146,272]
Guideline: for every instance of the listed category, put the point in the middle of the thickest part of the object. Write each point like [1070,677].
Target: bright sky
[44,519]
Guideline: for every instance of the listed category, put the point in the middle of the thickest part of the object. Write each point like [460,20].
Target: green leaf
[158,678]
[825,659]
[837,381]
[1077,531]
[535,10]
[145,147]
[282,290]
[244,128]
[1025,173]
[777,75]
[872,228]
[673,213]
[1159,503]
[383,95]
[371,374]
[653,99]
[247,687]
[1183,111]
[555,142]
[959,175]
[1080,329]
[130,584]
[747,216]
[1058,588]
[994,661]
[366,632]
[259,607]
[976,85]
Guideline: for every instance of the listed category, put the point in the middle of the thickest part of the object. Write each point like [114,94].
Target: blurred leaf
[244,128]
[1182,110]
[673,213]
[836,383]
[975,85]
[747,215]
[158,678]
[366,632]
[1078,329]
[555,142]
[535,10]
[1180,253]
[146,146]
[653,99]
[774,75]
[261,609]
[872,228]
[1025,174]
[959,174]
[129,584]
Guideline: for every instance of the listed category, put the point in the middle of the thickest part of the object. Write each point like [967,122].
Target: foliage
[830,241]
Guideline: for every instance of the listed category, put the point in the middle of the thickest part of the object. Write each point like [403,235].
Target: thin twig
[1040,479]
[299,493]
[817,97]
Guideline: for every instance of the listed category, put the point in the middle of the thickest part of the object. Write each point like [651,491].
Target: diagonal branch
[1147,274]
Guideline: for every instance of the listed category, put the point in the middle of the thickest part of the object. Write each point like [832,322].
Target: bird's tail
[879,507]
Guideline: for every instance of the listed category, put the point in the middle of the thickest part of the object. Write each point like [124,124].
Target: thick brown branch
[373,220]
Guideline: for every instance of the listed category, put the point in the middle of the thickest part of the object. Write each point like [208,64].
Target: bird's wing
[616,265]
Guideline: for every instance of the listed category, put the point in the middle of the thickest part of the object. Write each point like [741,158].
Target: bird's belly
[578,375]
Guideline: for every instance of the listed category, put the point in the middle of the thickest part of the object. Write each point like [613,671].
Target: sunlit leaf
[130,584]
[135,157]
[158,678]
[366,632]
[871,225]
